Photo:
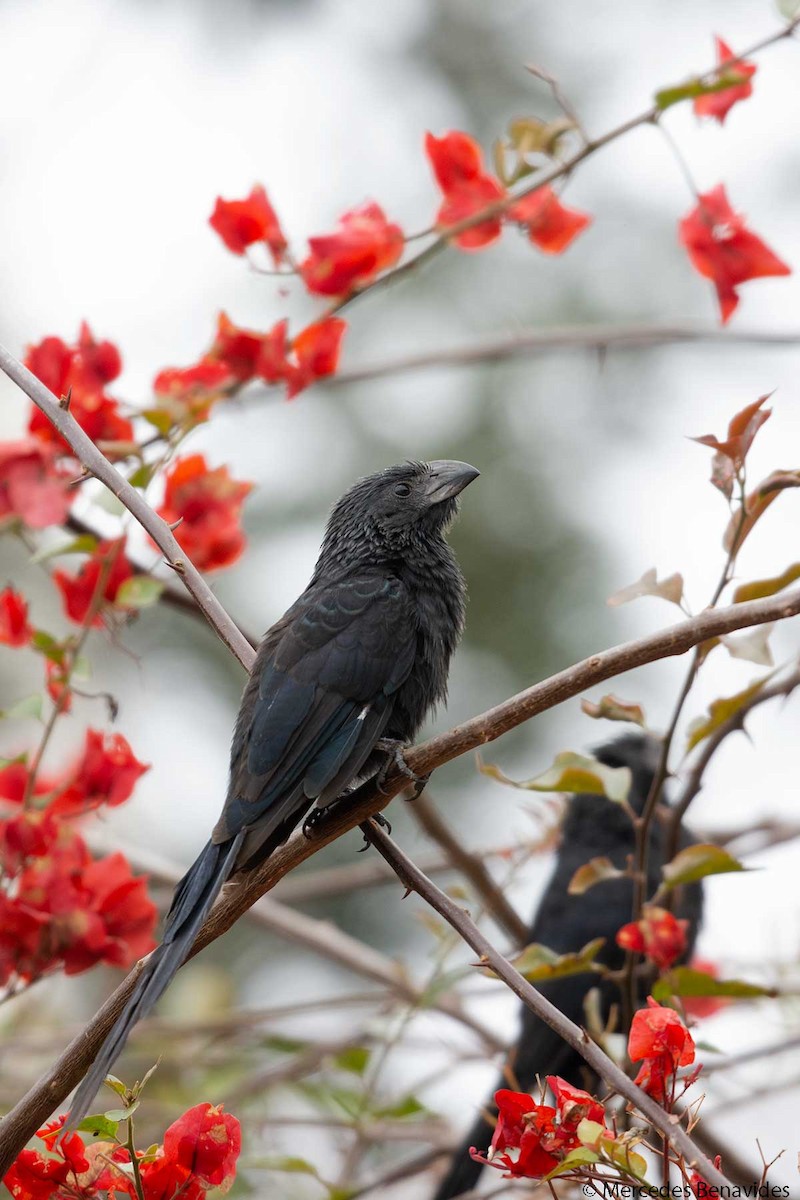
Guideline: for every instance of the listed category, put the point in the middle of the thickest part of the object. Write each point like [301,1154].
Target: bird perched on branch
[341,682]
[593,827]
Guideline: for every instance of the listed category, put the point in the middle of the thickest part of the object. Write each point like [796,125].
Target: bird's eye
[402,489]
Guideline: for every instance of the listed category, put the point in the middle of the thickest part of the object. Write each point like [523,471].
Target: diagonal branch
[614,1076]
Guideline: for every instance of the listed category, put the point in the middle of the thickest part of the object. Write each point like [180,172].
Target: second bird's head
[397,509]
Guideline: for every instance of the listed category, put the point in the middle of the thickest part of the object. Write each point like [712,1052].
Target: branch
[98,465]
[493,897]
[51,1091]
[576,337]
[578,1039]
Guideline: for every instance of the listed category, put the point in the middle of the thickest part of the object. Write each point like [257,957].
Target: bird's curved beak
[446,478]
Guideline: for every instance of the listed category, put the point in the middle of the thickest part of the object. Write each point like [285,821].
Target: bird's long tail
[191,904]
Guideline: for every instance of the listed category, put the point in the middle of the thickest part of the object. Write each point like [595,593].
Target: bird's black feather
[363,653]
[592,827]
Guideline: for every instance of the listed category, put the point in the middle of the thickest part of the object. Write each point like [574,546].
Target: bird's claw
[312,822]
[393,748]
[380,820]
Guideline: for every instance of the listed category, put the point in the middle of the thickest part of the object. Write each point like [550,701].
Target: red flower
[522,1128]
[573,1104]
[457,162]
[208,505]
[721,248]
[56,677]
[36,1177]
[106,773]
[238,349]
[205,1141]
[32,487]
[127,913]
[97,582]
[32,833]
[194,388]
[14,781]
[363,245]
[14,627]
[83,369]
[718,104]
[659,935]
[660,1040]
[551,225]
[316,353]
[241,223]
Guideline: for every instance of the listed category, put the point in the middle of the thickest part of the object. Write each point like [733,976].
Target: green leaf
[597,870]
[620,1154]
[409,1106]
[693,88]
[720,711]
[25,709]
[686,981]
[287,1163]
[354,1059]
[139,592]
[760,588]
[537,962]
[572,773]
[85,544]
[46,644]
[160,419]
[100,1126]
[581,1156]
[283,1045]
[611,708]
[116,1085]
[122,1114]
[142,475]
[697,862]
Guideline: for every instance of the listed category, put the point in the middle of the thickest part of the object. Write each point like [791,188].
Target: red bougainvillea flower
[238,349]
[14,783]
[659,935]
[31,833]
[205,1141]
[96,584]
[89,912]
[83,370]
[14,627]
[242,223]
[36,1176]
[718,104]
[700,1007]
[191,391]
[457,162]
[208,504]
[573,1104]
[33,488]
[721,248]
[56,682]
[363,244]
[660,1040]
[316,353]
[518,1145]
[106,773]
[550,224]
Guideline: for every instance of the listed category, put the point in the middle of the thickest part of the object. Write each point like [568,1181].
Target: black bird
[593,826]
[347,674]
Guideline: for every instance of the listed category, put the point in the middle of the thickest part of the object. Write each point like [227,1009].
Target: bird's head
[388,513]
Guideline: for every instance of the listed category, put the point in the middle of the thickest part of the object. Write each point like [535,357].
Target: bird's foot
[313,821]
[393,748]
[379,819]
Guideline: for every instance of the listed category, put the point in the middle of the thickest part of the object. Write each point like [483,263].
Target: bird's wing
[320,695]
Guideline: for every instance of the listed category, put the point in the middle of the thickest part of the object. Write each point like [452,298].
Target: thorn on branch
[173,525]
[66,400]
[178,566]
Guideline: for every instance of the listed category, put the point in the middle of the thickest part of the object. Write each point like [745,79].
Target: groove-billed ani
[593,826]
[352,668]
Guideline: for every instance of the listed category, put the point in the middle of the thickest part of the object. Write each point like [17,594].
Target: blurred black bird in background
[348,674]
[593,826]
